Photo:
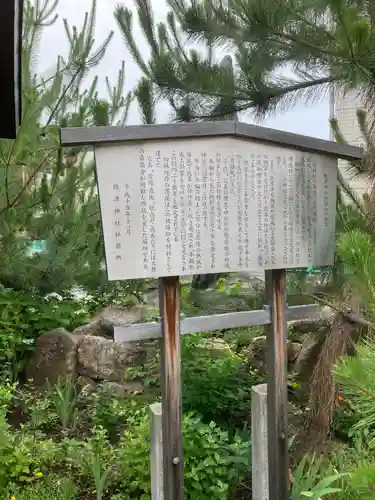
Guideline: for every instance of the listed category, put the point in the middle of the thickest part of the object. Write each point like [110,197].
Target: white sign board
[199,206]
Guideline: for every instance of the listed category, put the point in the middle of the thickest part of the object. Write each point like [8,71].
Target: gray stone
[156,452]
[54,356]
[102,324]
[259,440]
[293,349]
[102,359]
[257,352]
[123,389]
[216,347]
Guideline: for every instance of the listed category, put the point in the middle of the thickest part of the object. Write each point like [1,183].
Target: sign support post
[277,389]
[173,463]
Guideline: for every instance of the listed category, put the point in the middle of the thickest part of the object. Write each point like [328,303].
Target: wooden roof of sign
[141,133]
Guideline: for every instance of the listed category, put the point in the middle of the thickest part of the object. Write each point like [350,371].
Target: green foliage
[47,194]
[112,413]
[356,376]
[213,462]
[323,42]
[23,317]
[217,387]
[53,487]
[309,483]
[356,250]
[120,293]
[63,396]
[23,457]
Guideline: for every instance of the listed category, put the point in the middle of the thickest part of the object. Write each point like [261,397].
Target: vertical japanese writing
[226,212]
[218,192]
[212,215]
[309,225]
[144,212]
[314,204]
[204,190]
[198,217]
[127,213]
[246,212]
[298,212]
[291,195]
[303,204]
[116,220]
[152,215]
[285,210]
[183,214]
[175,197]
[190,229]
[167,214]
[266,214]
[253,176]
[259,209]
[240,221]
[272,213]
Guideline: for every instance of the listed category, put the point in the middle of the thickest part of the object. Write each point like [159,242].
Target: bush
[23,458]
[23,318]
[217,388]
[213,461]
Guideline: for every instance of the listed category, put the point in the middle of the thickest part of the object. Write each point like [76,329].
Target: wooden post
[277,390]
[171,388]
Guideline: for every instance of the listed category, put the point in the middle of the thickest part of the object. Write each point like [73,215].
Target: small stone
[216,347]
[132,388]
[54,356]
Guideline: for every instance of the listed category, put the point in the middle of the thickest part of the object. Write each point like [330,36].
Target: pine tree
[47,194]
[319,43]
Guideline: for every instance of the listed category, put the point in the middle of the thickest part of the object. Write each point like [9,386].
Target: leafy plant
[23,317]
[22,457]
[218,388]
[95,461]
[213,461]
[309,480]
[63,396]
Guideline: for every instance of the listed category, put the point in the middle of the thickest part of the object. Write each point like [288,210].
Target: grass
[52,487]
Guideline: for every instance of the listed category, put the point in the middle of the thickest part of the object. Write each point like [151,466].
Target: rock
[306,361]
[216,347]
[54,356]
[293,349]
[257,352]
[96,328]
[102,359]
[102,324]
[86,382]
[124,389]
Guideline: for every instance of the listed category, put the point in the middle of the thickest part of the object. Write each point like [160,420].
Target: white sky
[312,120]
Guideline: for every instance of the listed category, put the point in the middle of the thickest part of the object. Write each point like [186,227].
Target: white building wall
[344,108]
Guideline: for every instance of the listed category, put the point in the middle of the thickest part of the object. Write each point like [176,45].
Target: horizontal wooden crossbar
[145,331]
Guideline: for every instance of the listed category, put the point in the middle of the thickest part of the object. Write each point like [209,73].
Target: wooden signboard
[198,206]
[210,198]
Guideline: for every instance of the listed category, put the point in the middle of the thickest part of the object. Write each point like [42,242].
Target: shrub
[23,458]
[23,318]
[218,388]
[213,461]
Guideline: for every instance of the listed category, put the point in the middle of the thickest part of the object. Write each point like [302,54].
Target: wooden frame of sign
[183,199]
[11,17]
